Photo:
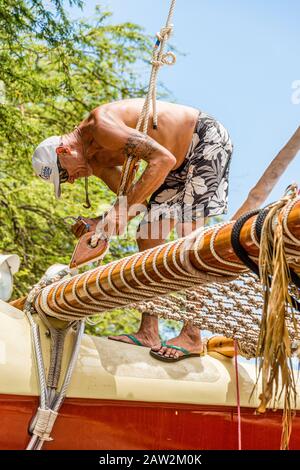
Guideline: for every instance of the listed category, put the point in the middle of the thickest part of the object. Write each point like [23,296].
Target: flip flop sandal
[135,341]
[186,353]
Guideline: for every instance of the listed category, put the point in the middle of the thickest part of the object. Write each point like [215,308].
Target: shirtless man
[187,158]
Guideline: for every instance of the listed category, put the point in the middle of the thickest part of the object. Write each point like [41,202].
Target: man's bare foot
[140,339]
[188,339]
[147,335]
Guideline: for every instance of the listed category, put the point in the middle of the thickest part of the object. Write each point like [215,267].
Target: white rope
[253,234]
[159,59]
[177,273]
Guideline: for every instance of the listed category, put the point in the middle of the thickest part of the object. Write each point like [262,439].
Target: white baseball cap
[44,162]
[13,262]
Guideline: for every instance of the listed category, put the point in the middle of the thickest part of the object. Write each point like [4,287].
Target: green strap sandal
[134,340]
[186,353]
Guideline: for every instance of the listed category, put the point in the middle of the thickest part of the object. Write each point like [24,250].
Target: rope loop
[159,58]
[169,58]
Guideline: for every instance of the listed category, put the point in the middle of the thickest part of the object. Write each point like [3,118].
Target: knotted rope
[159,59]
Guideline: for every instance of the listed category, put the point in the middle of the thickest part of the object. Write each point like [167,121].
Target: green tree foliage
[53,72]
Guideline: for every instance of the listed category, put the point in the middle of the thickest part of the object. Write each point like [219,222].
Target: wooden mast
[154,272]
[265,185]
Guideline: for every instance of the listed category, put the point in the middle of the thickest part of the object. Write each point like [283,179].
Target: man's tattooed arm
[160,163]
[123,141]
[140,147]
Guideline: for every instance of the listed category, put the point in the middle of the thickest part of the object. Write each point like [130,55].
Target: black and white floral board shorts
[199,187]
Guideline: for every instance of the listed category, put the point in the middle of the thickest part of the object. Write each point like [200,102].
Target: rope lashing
[231,309]
[47,413]
[290,196]
[45,420]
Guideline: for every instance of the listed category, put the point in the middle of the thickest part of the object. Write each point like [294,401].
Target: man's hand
[84,225]
[113,223]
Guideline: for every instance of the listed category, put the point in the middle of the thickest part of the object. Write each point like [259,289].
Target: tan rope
[159,59]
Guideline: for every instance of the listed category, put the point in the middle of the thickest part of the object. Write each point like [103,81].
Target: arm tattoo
[140,147]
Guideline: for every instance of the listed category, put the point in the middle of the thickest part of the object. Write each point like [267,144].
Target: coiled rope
[261,214]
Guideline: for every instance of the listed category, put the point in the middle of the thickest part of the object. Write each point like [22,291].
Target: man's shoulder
[135,105]
[117,104]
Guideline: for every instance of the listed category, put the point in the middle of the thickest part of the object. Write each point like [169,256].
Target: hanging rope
[159,58]
[238,398]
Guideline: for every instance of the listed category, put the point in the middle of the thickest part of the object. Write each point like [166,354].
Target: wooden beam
[151,273]
[265,185]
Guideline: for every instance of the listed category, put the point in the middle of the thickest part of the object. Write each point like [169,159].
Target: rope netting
[232,309]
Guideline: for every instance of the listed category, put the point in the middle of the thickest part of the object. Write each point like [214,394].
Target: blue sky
[241,59]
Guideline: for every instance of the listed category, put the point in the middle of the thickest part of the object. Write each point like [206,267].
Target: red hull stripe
[108,424]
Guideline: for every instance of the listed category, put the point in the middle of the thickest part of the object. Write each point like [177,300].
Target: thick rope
[159,59]
[215,300]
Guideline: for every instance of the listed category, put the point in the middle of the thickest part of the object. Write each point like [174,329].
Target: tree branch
[268,180]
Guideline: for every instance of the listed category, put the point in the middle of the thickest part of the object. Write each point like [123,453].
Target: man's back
[176,123]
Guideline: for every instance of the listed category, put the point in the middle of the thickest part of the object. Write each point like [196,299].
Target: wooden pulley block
[84,253]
